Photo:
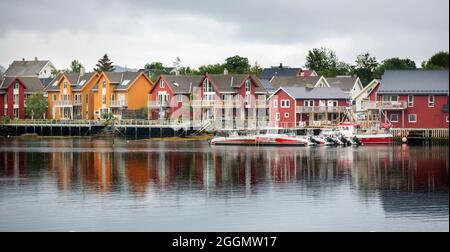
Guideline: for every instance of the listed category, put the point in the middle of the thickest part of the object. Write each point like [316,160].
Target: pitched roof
[26,67]
[268,73]
[346,83]
[294,81]
[123,80]
[315,93]
[230,82]
[32,84]
[76,80]
[308,72]
[414,82]
[267,85]
[182,84]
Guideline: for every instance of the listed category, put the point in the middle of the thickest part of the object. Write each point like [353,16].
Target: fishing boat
[262,139]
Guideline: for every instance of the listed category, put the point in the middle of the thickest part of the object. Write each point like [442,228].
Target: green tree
[325,62]
[256,69]
[75,66]
[36,105]
[394,64]
[156,69]
[365,68]
[104,65]
[437,61]
[210,69]
[237,65]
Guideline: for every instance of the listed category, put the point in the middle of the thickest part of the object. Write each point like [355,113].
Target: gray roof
[316,93]
[121,79]
[414,82]
[182,84]
[75,80]
[2,69]
[294,81]
[230,82]
[267,85]
[26,67]
[32,84]
[268,73]
[346,83]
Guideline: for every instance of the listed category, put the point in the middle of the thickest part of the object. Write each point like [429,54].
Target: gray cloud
[413,28]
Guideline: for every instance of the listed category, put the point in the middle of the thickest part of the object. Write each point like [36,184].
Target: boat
[262,139]
[372,136]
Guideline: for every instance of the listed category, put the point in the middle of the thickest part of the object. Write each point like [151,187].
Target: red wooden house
[13,93]
[237,100]
[414,98]
[169,95]
[293,107]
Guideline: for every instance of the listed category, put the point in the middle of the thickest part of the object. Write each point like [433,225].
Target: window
[104,84]
[446,119]
[179,98]
[332,103]
[65,84]
[309,103]
[207,87]
[16,99]
[431,101]
[248,84]
[285,103]
[247,99]
[412,118]
[394,118]
[161,83]
[275,103]
[277,116]
[104,99]
[87,99]
[16,84]
[322,103]
[410,101]
[286,115]
[16,113]
[390,98]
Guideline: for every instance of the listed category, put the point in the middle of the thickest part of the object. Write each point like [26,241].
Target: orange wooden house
[70,96]
[117,93]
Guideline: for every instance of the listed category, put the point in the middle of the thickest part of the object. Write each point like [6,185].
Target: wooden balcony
[118,104]
[321,109]
[384,105]
[158,104]
[62,103]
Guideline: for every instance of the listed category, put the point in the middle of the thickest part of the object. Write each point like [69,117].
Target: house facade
[230,100]
[413,99]
[70,96]
[118,93]
[13,93]
[170,97]
[297,107]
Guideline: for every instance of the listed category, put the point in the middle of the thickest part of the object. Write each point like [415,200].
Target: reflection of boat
[261,139]
[375,136]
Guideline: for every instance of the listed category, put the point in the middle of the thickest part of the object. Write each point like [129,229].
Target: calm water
[98,185]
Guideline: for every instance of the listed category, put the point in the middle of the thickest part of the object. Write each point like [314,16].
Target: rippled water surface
[106,185]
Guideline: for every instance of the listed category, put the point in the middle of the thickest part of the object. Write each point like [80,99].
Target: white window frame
[446,119]
[285,103]
[286,115]
[390,118]
[179,98]
[161,83]
[308,103]
[16,84]
[275,103]
[277,117]
[409,118]
[431,101]
[410,101]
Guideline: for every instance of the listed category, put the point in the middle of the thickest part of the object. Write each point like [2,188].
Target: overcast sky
[205,32]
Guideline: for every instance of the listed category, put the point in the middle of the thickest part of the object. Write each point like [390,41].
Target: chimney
[309,86]
[281,65]
[225,71]
[82,71]
[35,59]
